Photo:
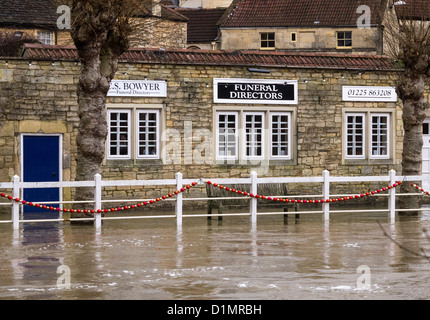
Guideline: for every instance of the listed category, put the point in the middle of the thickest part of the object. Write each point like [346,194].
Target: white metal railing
[98,184]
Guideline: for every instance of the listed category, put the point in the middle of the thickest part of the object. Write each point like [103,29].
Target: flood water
[154,260]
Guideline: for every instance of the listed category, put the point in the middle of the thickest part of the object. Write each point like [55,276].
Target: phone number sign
[369,93]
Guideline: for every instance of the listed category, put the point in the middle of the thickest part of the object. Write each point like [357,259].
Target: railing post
[326,194]
[253,205]
[15,205]
[392,194]
[178,208]
[98,200]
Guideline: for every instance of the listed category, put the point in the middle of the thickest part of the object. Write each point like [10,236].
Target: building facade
[305,25]
[210,115]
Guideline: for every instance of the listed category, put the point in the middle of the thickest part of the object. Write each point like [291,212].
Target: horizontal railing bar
[133,200]
[138,183]
[359,210]
[53,184]
[42,220]
[289,212]
[290,180]
[215,215]
[229,180]
[420,209]
[138,217]
[6,221]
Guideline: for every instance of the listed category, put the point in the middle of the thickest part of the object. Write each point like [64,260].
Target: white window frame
[371,116]
[109,155]
[45,37]
[363,115]
[244,135]
[157,133]
[279,157]
[236,134]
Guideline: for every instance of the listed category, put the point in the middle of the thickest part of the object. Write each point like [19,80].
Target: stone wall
[41,98]
[159,33]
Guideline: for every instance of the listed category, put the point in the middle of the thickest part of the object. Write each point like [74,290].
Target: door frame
[60,163]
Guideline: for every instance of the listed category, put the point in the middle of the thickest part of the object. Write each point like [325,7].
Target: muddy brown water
[153,259]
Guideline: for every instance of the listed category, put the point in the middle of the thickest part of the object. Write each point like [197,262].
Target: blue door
[41,163]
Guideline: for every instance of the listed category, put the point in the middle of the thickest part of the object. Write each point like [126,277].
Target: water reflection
[38,265]
[228,259]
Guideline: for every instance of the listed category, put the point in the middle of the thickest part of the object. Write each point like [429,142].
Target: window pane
[379,135]
[147,127]
[280,133]
[119,133]
[254,135]
[227,128]
[355,135]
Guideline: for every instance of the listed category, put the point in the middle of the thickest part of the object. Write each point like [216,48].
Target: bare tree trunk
[411,92]
[92,90]
[100,36]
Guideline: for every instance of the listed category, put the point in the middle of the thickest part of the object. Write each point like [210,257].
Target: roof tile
[299,13]
[221,57]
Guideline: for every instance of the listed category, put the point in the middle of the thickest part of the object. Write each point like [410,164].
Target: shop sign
[137,88]
[369,93]
[255,91]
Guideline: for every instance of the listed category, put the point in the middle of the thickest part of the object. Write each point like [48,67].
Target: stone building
[348,26]
[31,19]
[208,115]
[158,25]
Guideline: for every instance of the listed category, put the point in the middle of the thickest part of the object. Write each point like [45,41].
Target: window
[267,41]
[227,139]
[133,133]
[119,134]
[380,135]
[355,136]
[293,36]
[280,135]
[44,37]
[344,39]
[262,135]
[254,124]
[372,143]
[147,134]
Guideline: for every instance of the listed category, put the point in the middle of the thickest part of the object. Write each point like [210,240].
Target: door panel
[41,163]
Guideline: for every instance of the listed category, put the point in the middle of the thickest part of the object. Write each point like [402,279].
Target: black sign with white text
[255,91]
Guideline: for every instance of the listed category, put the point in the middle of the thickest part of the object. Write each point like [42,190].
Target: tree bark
[100,33]
[411,91]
